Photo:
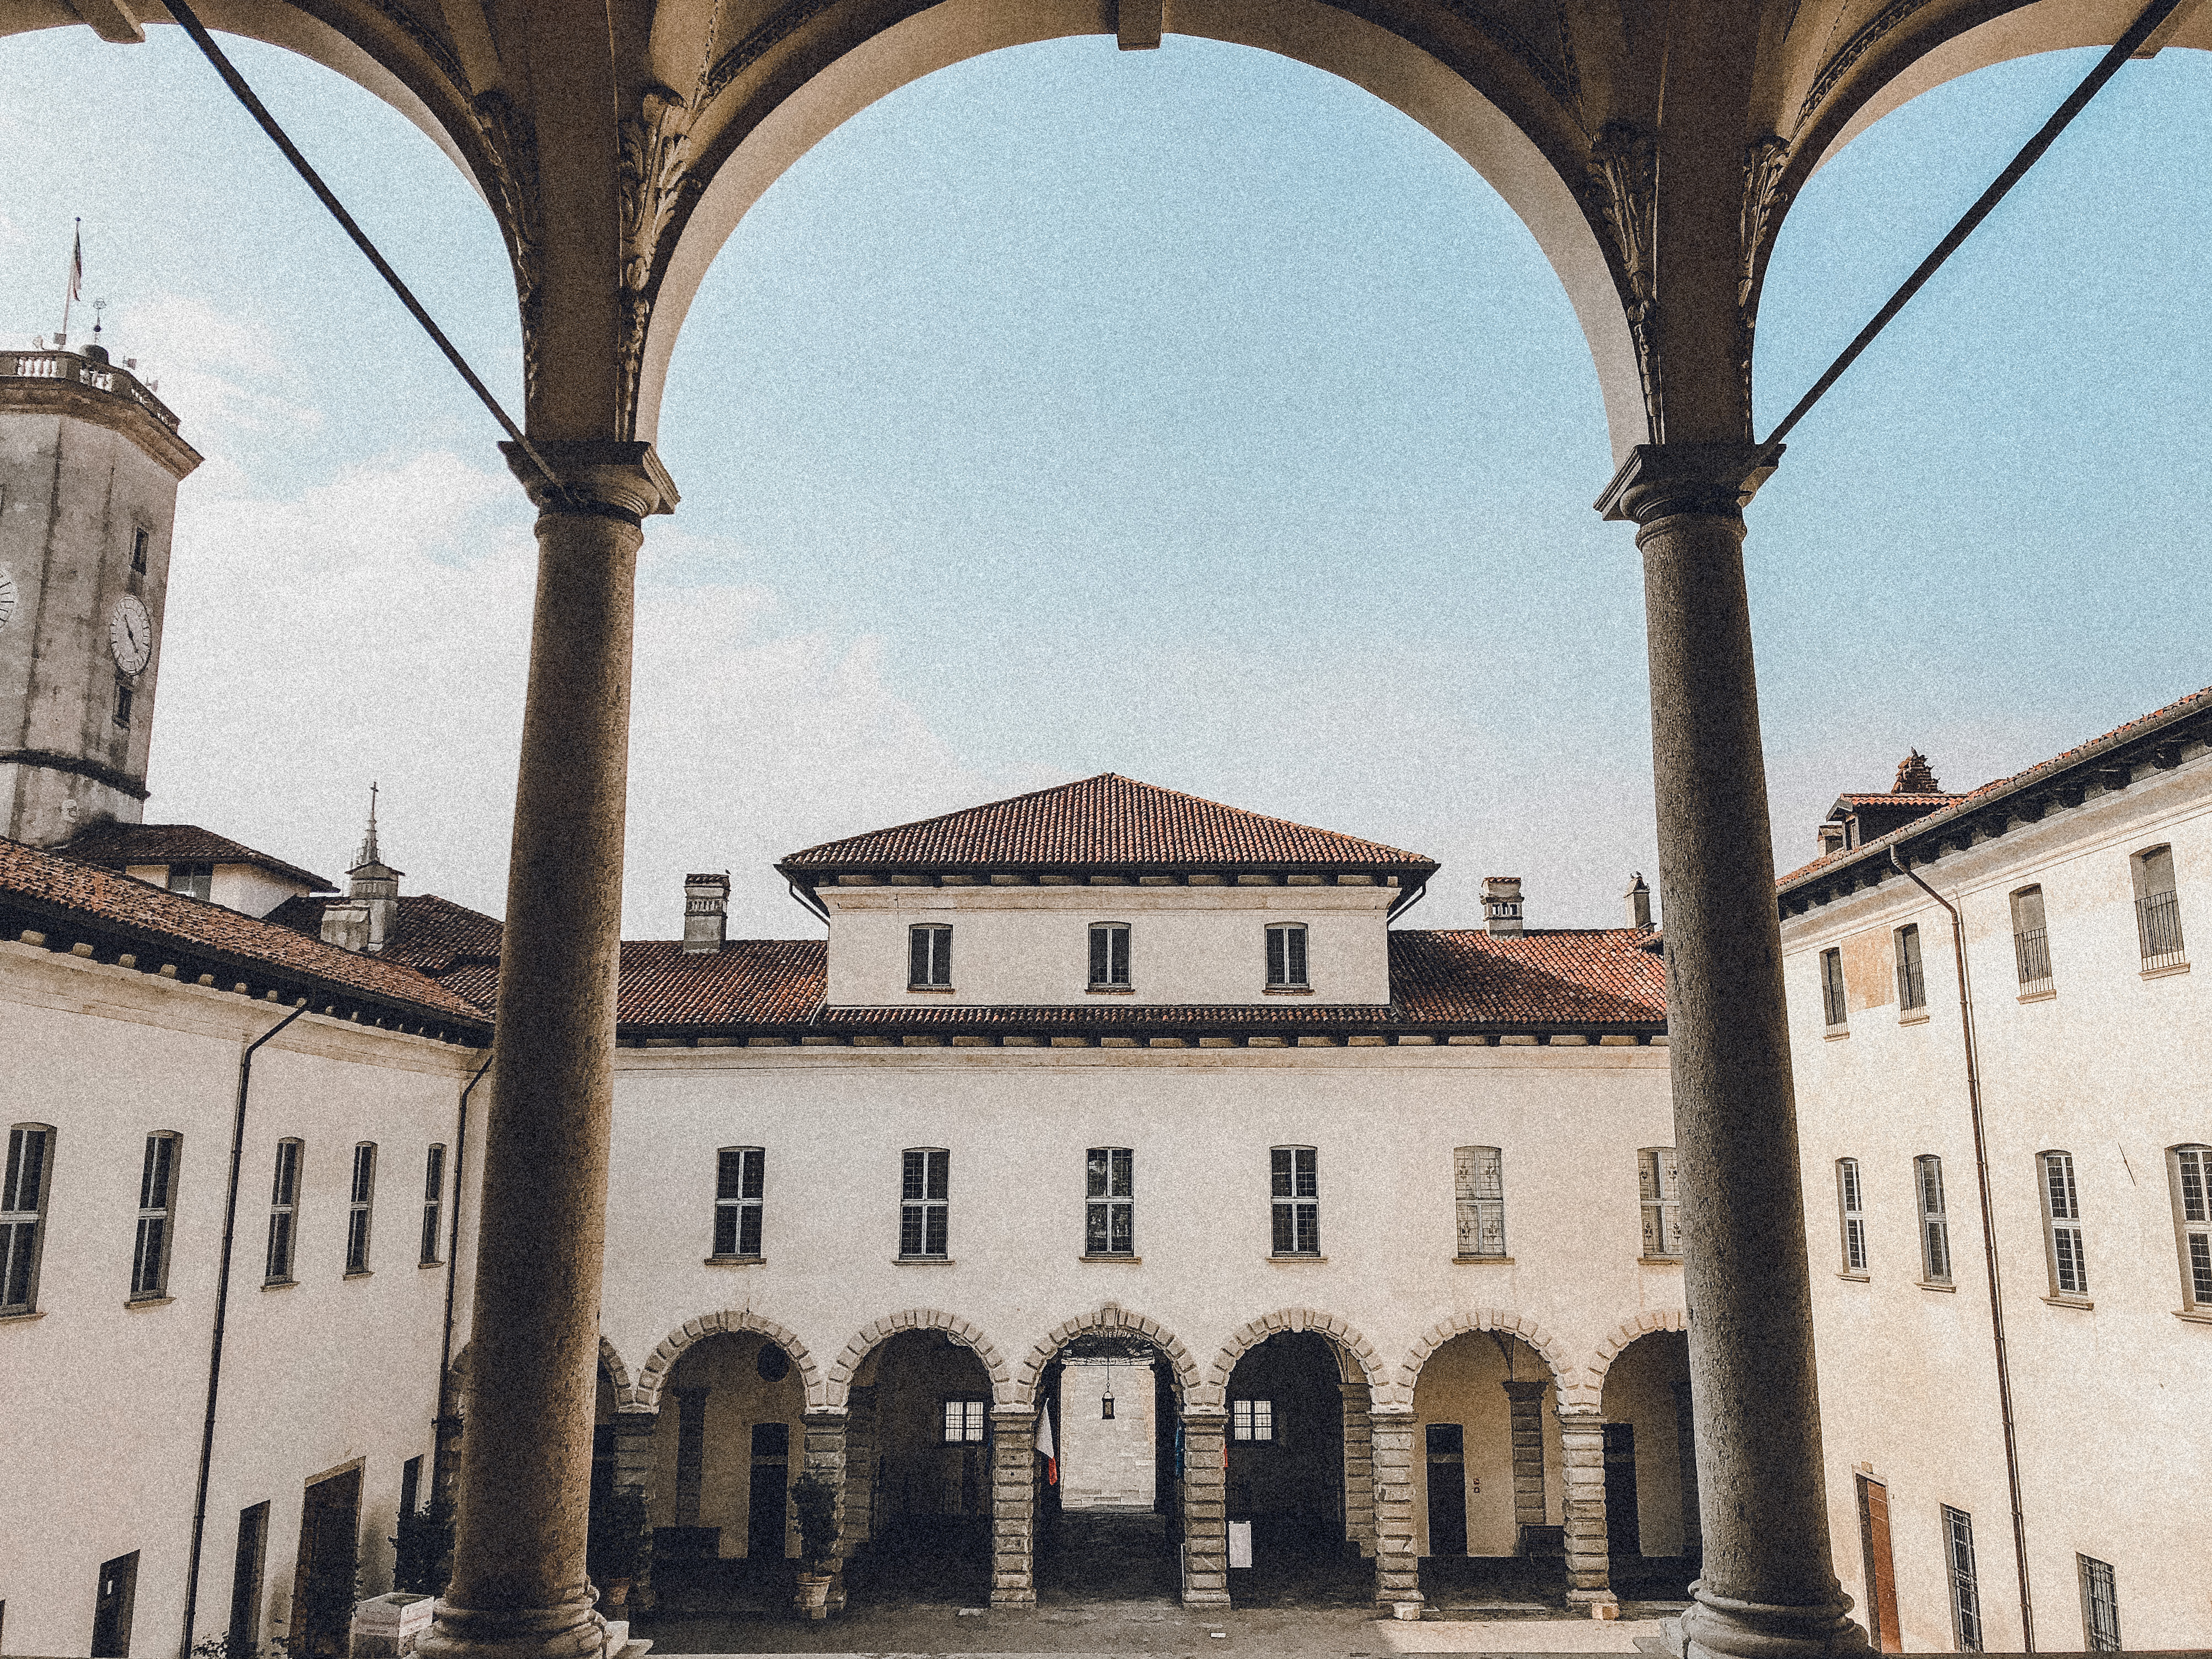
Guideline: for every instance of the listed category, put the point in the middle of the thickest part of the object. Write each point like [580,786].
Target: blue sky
[1188,413]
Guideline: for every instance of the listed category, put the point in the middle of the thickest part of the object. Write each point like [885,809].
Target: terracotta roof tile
[114,845]
[1888,798]
[1604,976]
[434,933]
[749,982]
[1109,820]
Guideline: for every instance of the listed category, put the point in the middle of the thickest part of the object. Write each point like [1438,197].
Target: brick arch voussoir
[838,1379]
[1577,1390]
[653,1376]
[1665,1319]
[1109,1317]
[1356,1358]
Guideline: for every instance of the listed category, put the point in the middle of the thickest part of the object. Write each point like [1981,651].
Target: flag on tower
[77,265]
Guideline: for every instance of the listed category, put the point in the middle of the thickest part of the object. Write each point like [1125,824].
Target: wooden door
[1447,1458]
[766,1501]
[111,1608]
[323,1583]
[1881,1610]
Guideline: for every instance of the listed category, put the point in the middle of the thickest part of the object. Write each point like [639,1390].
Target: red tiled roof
[1109,820]
[57,888]
[1887,798]
[1555,976]
[114,845]
[434,933]
[749,982]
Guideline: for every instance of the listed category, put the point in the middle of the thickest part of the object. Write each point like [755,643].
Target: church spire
[367,854]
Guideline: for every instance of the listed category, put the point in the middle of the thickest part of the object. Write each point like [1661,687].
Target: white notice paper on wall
[1240,1543]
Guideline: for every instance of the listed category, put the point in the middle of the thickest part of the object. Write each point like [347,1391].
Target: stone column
[1358,1469]
[634,1442]
[1768,1587]
[1013,1508]
[1525,1414]
[1581,1450]
[1397,1565]
[520,1588]
[1685,1449]
[1205,1507]
[860,1468]
[826,1455]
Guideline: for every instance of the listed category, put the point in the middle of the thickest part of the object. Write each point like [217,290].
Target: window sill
[1111,1255]
[2043,995]
[929,990]
[2068,1302]
[161,1301]
[1855,1278]
[278,1284]
[1930,1284]
[2166,972]
[1832,1032]
[1658,1260]
[430,1264]
[25,1315]
[1109,990]
[2194,1316]
[1288,991]
[922,1261]
[359,1273]
[1482,1261]
[1913,1017]
[753,1260]
[1287,1258]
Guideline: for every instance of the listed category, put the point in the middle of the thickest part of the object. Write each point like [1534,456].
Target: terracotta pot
[813,1597]
[617,1592]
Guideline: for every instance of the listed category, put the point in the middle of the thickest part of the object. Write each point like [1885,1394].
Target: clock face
[130,635]
[7,595]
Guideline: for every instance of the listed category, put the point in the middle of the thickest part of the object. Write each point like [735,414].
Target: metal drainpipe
[222,1307]
[1989,1244]
[453,1275]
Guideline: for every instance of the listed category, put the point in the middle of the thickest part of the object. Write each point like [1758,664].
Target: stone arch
[1109,1317]
[611,1362]
[1357,1360]
[1575,1392]
[756,145]
[968,1335]
[654,1376]
[1669,1319]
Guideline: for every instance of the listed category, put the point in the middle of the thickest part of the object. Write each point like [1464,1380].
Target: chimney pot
[706,913]
[1501,906]
[1638,898]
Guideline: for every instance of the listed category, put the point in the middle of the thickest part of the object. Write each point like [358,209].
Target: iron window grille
[740,1179]
[1252,1419]
[2191,1170]
[434,1203]
[1109,1211]
[2158,910]
[1912,983]
[1659,1186]
[1110,955]
[1965,1590]
[284,1212]
[925,1181]
[1851,1206]
[1934,1225]
[2062,1226]
[157,1191]
[1479,1197]
[1296,1179]
[23,1215]
[966,1421]
[360,1198]
[2101,1605]
[929,956]
[2031,941]
[1833,1008]
[1286,955]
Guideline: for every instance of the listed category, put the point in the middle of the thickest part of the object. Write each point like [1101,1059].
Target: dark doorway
[928,1476]
[765,1508]
[1624,1535]
[111,1608]
[1287,1402]
[245,1581]
[1881,1610]
[1447,1489]
[1110,1400]
[323,1586]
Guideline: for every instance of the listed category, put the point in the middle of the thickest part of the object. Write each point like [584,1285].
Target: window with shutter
[740,1178]
[929,956]
[23,1215]
[925,1182]
[1659,1187]
[1109,1214]
[1851,1208]
[434,1204]
[1286,954]
[2062,1226]
[1479,1193]
[1912,983]
[2190,1168]
[1934,1225]
[361,1199]
[150,1255]
[1833,1006]
[1294,1176]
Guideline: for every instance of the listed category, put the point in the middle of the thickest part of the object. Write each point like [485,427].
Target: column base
[571,1631]
[1601,1603]
[1718,1627]
[1206,1598]
[1014,1601]
[1385,1608]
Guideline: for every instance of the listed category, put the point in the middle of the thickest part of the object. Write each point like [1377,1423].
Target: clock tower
[89,464]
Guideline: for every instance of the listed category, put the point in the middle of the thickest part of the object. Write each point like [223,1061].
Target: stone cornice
[117,411]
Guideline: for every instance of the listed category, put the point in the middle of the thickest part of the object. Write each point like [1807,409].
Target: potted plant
[619,1547]
[422,1553]
[814,1495]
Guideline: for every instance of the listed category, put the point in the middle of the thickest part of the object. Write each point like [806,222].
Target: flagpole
[75,280]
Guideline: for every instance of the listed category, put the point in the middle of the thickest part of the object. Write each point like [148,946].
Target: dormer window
[1286,956]
[929,957]
[193,880]
[1110,955]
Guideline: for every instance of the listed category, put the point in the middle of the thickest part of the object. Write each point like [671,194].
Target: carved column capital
[1526,1390]
[596,475]
[1713,478]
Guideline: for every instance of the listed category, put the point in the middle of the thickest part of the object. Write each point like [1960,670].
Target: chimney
[1501,906]
[706,913]
[1639,903]
[369,912]
[1915,777]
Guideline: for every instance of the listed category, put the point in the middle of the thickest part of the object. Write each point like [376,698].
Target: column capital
[1211,1417]
[1403,1415]
[598,475]
[824,1417]
[1660,479]
[1520,1391]
[1014,1417]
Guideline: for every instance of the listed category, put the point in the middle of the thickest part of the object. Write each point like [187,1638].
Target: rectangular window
[2062,1226]
[434,1204]
[1660,1185]
[2158,910]
[1836,1011]
[1109,1211]
[2101,1607]
[23,1215]
[1912,984]
[1252,1419]
[122,716]
[2031,943]
[740,1179]
[1966,1593]
[1934,1227]
[1851,1208]
[925,1180]
[1297,1184]
[192,880]
[1286,954]
[1479,1195]
[283,1211]
[138,540]
[929,956]
[157,1187]
[1109,954]
[2190,1170]
[964,1421]
[361,1197]
[245,1581]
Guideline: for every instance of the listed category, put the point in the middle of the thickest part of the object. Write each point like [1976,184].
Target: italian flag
[1046,1449]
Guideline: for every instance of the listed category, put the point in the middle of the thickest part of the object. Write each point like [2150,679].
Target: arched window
[2158,908]
[2062,1226]
[23,1215]
[157,1193]
[2030,942]
[361,1199]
